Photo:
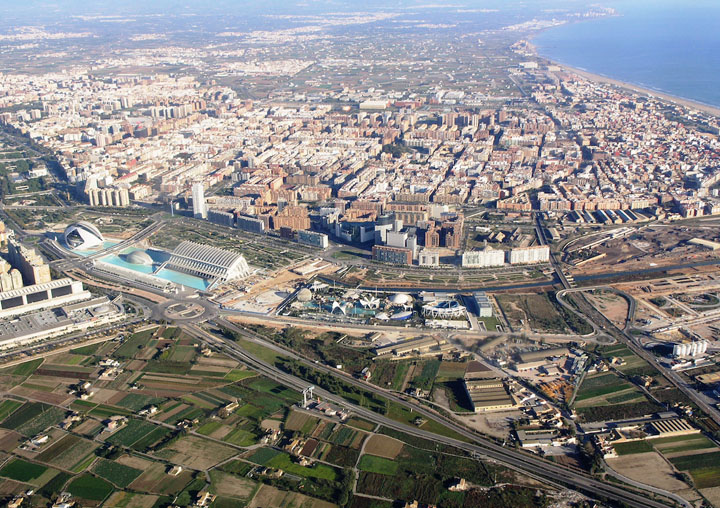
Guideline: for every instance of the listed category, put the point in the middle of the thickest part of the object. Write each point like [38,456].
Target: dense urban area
[340,259]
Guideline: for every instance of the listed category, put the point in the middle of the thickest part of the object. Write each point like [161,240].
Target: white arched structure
[82,236]
[208,262]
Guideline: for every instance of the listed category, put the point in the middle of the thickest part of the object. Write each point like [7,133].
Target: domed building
[304,295]
[139,257]
[400,299]
[82,236]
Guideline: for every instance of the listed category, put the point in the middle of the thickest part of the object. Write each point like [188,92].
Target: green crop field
[22,471]
[27,412]
[137,401]
[679,444]
[209,427]
[27,368]
[152,437]
[133,431]
[380,465]
[90,488]
[135,343]
[632,447]
[7,407]
[283,461]
[263,455]
[33,418]
[239,375]
[604,384]
[120,475]
[241,437]
[704,468]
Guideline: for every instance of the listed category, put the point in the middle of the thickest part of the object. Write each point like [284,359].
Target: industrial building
[485,390]
[208,262]
[691,349]
[419,345]
[41,296]
[59,321]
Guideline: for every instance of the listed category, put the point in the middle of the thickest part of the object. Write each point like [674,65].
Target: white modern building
[429,257]
[485,258]
[82,236]
[446,309]
[208,262]
[199,204]
[530,255]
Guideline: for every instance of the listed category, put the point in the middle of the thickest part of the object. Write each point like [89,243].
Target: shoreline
[680,101]
[639,89]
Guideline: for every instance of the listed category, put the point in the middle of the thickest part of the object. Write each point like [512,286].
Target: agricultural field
[270,496]
[130,467]
[598,388]
[69,453]
[693,454]
[116,473]
[383,446]
[703,468]
[201,453]
[606,396]
[379,465]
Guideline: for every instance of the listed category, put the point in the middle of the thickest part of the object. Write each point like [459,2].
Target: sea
[668,46]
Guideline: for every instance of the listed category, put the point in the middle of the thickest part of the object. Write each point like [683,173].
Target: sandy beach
[637,89]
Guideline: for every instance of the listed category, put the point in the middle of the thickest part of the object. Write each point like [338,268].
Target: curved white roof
[400,299]
[209,262]
[82,235]
[139,257]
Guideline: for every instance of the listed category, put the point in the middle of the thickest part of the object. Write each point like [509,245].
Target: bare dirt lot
[270,496]
[614,307]
[649,468]
[196,452]
[383,446]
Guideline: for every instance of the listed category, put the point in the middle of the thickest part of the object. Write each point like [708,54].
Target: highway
[482,446]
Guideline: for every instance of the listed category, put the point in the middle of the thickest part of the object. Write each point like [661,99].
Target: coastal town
[305,265]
